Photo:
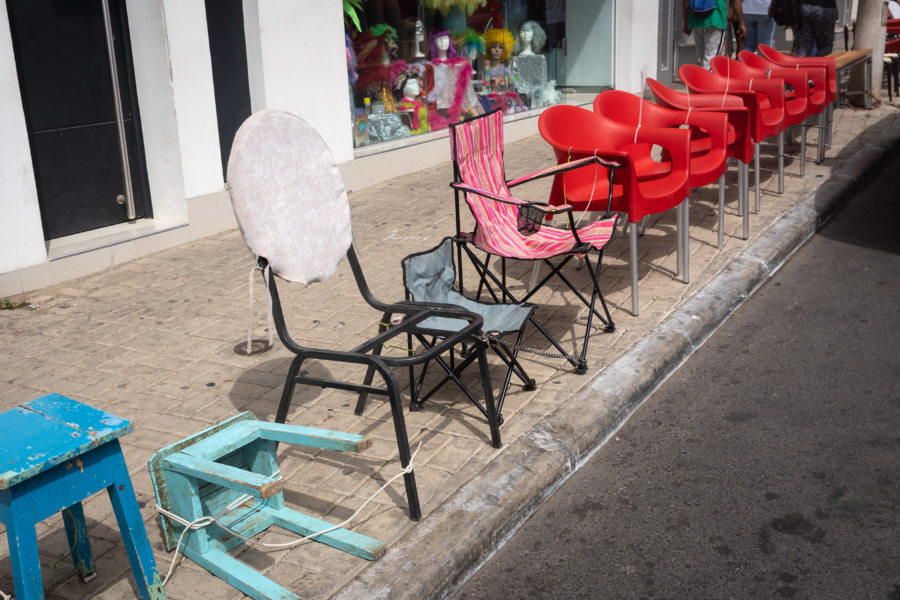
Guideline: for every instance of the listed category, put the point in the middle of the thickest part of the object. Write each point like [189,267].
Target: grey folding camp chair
[429,277]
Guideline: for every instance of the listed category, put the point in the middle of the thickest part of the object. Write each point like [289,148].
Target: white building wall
[21,234]
[636,42]
[297,62]
[153,78]
[194,96]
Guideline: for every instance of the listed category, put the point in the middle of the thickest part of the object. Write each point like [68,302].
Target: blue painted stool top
[49,430]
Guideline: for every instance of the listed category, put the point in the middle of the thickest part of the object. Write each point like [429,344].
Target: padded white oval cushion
[288,196]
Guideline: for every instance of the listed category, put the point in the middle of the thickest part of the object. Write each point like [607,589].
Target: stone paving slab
[152,341]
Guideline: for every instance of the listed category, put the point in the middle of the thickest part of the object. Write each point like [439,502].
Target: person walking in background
[760,26]
[709,30]
[817,18]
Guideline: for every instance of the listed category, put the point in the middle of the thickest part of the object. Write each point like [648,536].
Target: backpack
[702,8]
[785,12]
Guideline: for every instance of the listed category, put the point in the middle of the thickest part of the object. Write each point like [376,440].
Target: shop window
[416,66]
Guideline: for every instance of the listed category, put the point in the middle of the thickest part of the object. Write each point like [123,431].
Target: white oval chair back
[288,196]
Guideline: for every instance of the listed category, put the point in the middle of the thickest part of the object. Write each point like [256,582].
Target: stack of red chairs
[817,97]
[796,104]
[639,188]
[739,143]
[708,158]
[764,99]
[806,62]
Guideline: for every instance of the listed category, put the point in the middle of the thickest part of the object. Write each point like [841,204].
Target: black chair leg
[370,372]
[288,392]
[409,479]
[493,415]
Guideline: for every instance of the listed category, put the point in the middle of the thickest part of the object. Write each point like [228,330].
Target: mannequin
[412,40]
[528,66]
[453,93]
[531,39]
[499,44]
[412,102]
[374,49]
[470,45]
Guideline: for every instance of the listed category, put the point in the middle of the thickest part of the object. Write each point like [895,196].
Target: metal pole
[120,118]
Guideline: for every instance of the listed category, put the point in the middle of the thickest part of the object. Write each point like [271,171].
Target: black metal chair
[293,212]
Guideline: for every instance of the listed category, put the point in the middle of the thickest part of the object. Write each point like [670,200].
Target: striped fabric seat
[507,227]
[477,147]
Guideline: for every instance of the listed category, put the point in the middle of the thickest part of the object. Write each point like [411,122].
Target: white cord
[205,521]
[268,305]
[727,83]
[640,107]
[4,596]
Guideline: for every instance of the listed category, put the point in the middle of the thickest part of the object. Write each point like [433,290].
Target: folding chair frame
[453,369]
[486,276]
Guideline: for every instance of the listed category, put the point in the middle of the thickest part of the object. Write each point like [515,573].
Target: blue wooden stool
[234,463]
[55,452]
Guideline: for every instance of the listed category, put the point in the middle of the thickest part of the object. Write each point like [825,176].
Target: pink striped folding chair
[507,227]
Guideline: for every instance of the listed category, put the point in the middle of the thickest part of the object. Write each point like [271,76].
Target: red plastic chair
[763,97]
[575,133]
[709,140]
[797,62]
[796,106]
[817,96]
[739,142]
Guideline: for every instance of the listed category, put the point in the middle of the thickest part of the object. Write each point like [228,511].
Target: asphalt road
[767,466]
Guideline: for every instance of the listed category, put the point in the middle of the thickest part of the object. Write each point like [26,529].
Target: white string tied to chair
[727,84]
[206,521]
[640,108]
[270,323]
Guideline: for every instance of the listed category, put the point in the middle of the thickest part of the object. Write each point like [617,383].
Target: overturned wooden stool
[230,472]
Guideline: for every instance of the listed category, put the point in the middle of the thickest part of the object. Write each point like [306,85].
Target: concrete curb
[461,533]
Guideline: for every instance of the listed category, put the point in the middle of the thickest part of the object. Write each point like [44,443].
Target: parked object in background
[55,453]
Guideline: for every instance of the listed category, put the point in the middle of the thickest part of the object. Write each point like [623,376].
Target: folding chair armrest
[563,167]
[479,192]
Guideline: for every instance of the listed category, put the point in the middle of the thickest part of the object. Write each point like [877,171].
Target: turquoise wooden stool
[55,452]
[206,474]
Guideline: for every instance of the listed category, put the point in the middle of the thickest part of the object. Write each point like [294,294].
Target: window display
[447,60]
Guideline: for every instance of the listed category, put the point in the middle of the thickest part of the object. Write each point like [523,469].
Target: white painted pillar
[21,233]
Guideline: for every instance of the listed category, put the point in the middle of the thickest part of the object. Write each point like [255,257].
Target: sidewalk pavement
[153,341]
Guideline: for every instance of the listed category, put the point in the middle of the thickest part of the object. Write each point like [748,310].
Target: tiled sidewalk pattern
[152,341]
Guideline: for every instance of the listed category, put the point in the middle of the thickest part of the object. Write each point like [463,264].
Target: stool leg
[23,554]
[76,533]
[134,535]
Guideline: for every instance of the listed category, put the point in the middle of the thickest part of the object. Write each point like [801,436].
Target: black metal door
[228,52]
[64,75]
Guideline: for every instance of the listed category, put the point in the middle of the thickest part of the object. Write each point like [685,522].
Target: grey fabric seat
[428,277]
